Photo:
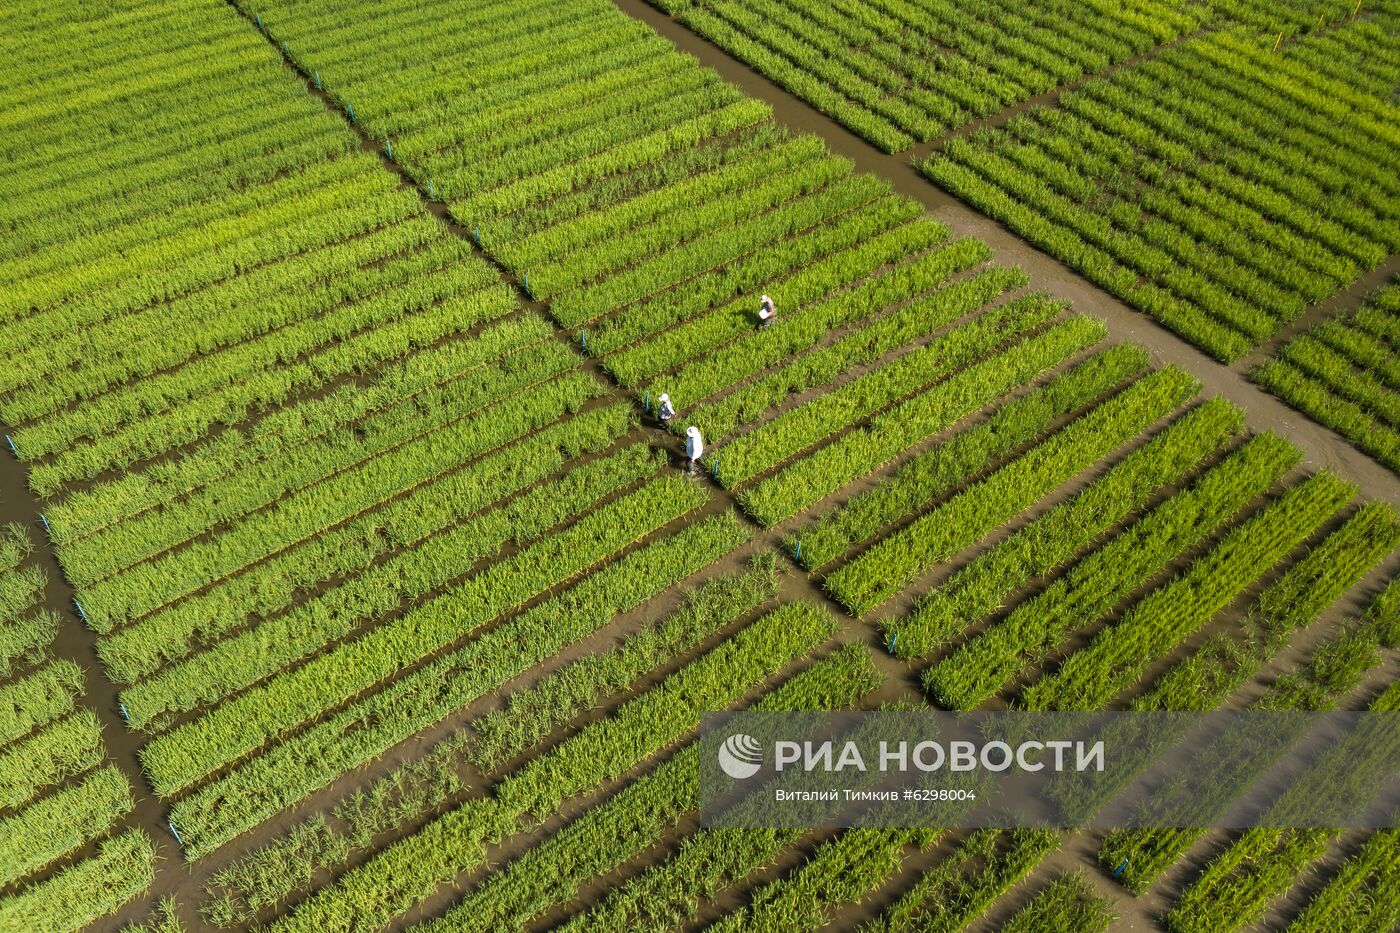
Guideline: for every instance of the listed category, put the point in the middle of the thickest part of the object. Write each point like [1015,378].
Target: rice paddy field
[349,580]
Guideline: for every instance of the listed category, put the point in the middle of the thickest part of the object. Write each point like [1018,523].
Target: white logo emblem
[740,756]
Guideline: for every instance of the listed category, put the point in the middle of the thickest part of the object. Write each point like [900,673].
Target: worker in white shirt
[665,410]
[694,448]
[766,312]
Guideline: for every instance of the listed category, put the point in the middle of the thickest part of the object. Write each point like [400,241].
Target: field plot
[1218,186]
[304,529]
[60,799]
[1344,373]
[333,334]
[900,72]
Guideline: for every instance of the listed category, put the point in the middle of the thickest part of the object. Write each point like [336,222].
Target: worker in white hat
[694,448]
[665,410]
[766,311]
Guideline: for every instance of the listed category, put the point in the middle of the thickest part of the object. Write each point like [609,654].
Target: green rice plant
[259,788]
[530,715]
[185,754]
[979,589]
[56,825]
[878,337]
[929,474]
[610,746]
[143,647]
[1089,678]
[884,569]
[415,873]
[26,640]
[277,643]
[793,431]
[15,545]
[40,698]
[295,518]
[1104,577]
[958,889]
[843,871]
[497,369]
[123,867]
[1364,894]
[20,588]
[53,754]
[1067,905]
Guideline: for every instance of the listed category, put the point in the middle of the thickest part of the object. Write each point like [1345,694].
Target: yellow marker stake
[1278,42]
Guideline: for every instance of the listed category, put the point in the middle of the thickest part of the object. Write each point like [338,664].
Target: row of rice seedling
[1343,374]
[882,570]
[1237,886]
[1115,658]
[924,477]
[797,429]
[1067,905]
[1093,584]
[122,868]
[261,786]
[962,885]
[1295,199]
[871,65]
[1364,894]
[56,794]
[1051,540]
[1334,669]
[600,753]
[269,587]
[271,873]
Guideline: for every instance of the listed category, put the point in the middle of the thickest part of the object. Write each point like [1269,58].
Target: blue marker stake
[260,25]
[646,403]
[583,335]
[894,638]
[80,611]
[1120,868]
[715,472]
[351,108]
[286,50]
[389,148]
[478,236]
[318,80]
[527,283]
[798,555]
[13,449]
[47,529]
[432,192]
[176,832]
[125,714]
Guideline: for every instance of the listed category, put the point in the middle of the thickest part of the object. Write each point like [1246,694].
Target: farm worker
[694,448]
[766,311]
[665,410]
